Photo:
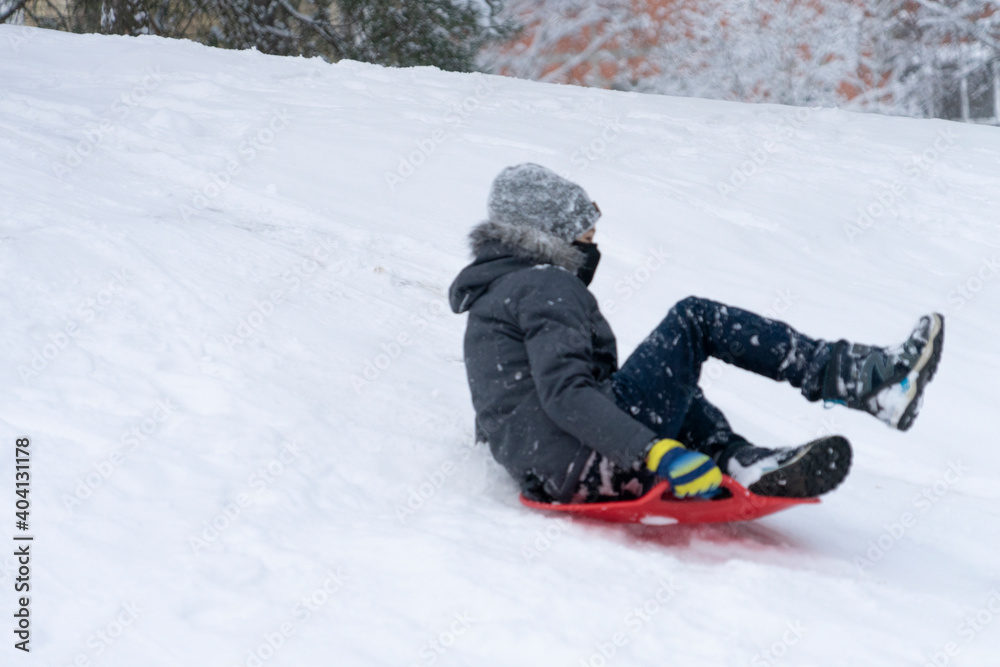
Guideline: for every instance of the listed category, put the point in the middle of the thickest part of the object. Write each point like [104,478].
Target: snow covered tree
[773,50]
[10,9]
[167,18]
[588,42]
[445,33]
[266,25]
[790,51]
[941,59]
[799,52]
[125,17]
[914,57]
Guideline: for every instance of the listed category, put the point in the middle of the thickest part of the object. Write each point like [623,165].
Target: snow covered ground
[225,334]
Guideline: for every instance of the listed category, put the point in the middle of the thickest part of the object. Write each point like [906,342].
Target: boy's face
[587,236]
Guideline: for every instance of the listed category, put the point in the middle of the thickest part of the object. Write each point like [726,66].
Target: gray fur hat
[533,196]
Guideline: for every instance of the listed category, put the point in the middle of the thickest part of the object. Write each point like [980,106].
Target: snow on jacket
[539,357]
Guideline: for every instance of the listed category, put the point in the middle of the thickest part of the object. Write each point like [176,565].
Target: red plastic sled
[660,508]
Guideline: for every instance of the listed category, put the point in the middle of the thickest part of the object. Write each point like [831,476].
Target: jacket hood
[500,248]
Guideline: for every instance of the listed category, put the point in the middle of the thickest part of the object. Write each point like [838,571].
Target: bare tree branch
[9,8]
[963,23]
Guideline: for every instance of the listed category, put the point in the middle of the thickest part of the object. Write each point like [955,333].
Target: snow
[227,336]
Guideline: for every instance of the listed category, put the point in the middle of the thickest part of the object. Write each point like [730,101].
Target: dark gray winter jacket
[539,356]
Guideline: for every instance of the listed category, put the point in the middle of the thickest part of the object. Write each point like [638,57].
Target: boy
[570,426]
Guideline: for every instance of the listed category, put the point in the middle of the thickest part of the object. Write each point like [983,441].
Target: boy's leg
[705,429]
[658,383]
[658,386]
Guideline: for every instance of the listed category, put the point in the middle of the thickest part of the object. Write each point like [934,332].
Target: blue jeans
[658,383]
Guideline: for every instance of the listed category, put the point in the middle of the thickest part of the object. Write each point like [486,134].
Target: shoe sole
[820,469]
[925,369]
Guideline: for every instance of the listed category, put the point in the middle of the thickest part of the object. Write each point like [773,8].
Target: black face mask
[592,257]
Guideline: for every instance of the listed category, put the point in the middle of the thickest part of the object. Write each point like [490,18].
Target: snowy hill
[226,336]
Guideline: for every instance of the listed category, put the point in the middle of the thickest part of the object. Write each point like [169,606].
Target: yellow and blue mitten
[689,473]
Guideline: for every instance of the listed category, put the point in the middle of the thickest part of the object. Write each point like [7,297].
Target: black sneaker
[806,471]
[886,382]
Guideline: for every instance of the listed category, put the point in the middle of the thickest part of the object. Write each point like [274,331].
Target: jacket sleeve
[553,313]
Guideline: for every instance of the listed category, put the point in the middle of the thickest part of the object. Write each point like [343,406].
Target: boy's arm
[554,317]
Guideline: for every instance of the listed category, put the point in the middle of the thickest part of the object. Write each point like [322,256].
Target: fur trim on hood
[527,243]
